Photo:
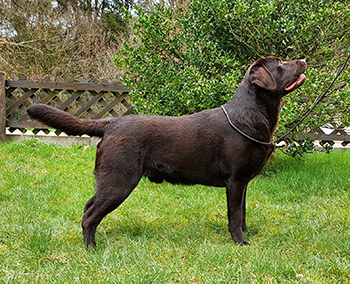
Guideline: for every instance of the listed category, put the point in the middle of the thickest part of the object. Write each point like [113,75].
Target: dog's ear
[261,76]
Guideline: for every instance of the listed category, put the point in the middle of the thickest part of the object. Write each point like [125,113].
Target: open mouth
[301,80]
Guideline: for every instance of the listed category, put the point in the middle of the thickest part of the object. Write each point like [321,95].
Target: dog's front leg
[244,225]
[235,193]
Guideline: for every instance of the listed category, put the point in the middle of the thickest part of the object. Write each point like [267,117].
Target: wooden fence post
[2,107]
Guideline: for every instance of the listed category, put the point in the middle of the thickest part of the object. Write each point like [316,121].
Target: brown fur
[201,148]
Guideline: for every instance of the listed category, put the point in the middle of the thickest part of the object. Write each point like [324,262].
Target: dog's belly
[184,181]
[210,171]
[186,178]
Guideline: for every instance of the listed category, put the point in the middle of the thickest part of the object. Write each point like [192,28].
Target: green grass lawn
[299,212]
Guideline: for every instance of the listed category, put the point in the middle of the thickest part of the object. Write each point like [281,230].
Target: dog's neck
[255,109]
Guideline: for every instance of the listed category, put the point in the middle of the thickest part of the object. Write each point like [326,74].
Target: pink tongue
[291,86]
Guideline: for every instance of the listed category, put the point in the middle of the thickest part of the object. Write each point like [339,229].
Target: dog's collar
[241,132]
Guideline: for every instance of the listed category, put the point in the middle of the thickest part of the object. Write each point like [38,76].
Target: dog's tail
[66,122]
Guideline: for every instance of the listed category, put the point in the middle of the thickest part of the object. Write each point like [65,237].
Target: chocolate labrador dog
[202,148]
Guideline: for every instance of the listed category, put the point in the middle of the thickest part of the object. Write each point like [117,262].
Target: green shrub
[182,64]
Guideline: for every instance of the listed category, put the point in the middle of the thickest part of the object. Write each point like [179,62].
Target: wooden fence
[332,135]
[90,100]
[86,100]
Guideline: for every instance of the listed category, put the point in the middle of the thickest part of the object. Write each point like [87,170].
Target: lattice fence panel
[331,135]
[88,100]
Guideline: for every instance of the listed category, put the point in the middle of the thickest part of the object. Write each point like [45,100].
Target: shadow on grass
[112,232]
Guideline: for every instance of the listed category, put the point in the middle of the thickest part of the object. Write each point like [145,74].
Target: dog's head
[277,76]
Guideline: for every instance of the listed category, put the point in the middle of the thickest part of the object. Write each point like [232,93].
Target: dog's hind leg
[110,193]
